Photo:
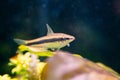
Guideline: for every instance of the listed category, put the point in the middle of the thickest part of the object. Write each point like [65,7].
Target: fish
[52,41]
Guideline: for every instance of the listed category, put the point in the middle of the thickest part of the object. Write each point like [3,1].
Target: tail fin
[19,41]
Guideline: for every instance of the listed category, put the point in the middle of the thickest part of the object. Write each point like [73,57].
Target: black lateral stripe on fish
[47,41]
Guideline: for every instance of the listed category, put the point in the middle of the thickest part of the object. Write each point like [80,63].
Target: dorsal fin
[49,30]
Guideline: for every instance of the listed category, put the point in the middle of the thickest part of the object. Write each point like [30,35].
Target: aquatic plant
[58,66]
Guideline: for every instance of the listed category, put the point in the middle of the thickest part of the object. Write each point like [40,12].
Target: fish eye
[66,38]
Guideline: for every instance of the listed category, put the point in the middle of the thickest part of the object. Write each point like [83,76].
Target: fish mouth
[72,38]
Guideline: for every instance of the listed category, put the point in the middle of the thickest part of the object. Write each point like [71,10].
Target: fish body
[50,41]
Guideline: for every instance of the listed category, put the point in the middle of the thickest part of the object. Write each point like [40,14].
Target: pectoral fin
[68,45]
[50,31]
[19,41]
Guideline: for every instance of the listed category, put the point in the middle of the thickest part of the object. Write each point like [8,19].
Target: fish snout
[72,38]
